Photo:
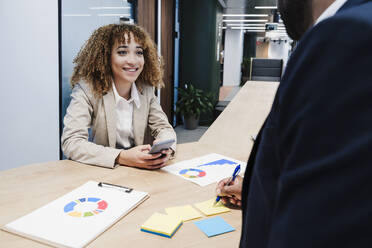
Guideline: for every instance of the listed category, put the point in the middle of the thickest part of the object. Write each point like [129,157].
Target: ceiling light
[259,28]
[266,7]
[109,8]
[244,20]
[76,15]
[248,28]
[275,23]
[245,25]
[246,15]
[120,15]
[254,31]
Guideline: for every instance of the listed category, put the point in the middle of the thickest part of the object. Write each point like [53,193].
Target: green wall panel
[199,35]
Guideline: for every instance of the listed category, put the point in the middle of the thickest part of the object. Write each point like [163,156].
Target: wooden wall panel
[146,16]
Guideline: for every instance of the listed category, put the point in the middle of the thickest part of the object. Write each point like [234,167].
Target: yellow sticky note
[161,224]
[186,212]
[208,208]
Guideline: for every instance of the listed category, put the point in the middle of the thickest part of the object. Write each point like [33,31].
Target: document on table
[205,170]
[77,218]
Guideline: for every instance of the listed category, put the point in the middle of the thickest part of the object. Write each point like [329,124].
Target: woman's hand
[139,157]
[230,192]
[165,153]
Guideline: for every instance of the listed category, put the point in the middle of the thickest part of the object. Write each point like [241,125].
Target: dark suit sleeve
[324,125]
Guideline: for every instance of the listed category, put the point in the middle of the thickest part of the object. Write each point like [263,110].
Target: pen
[236,172]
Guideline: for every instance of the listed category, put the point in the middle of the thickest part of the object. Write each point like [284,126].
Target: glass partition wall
[78,19]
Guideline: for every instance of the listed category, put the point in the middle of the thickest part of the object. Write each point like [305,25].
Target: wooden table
[27,188]
[241,119]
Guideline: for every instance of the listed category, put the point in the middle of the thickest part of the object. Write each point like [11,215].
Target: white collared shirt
[331,10]
[124,113]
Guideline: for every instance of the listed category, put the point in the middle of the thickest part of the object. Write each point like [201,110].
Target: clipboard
[78,217]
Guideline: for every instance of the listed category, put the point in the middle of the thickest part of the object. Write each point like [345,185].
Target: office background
[198,46]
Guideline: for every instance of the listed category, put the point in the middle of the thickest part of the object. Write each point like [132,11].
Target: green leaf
[193,101]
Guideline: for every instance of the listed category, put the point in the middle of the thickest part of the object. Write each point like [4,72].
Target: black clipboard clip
[114,186]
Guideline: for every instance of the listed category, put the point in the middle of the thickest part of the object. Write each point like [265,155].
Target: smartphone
[162,145]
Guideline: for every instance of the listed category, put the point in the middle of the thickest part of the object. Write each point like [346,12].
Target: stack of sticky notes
[162,224]
[214,226]
[167,224]
[184,212]
[210,208]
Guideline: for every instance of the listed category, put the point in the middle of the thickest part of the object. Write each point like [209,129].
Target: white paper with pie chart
[78,217]
[205,170]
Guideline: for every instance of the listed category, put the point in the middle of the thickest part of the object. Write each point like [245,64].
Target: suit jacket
[86,111]
[308,181]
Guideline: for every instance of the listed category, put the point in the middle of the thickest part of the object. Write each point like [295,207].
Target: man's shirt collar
[331,10]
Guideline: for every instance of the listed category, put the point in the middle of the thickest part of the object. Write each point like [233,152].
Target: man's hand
[230,192]
[139,157]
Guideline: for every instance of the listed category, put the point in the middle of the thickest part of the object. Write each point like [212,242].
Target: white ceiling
[247,6]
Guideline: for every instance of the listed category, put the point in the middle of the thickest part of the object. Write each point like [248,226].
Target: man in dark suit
[308,182]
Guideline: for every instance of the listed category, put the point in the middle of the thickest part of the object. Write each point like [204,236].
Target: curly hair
[93,62]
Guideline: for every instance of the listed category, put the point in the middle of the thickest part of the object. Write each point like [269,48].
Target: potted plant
[246,70]
[191,103]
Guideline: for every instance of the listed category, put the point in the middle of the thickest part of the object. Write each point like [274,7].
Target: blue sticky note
[214,226]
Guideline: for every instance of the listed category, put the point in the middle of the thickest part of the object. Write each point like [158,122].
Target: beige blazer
[86,111]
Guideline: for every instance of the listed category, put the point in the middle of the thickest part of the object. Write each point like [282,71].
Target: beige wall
[262,50]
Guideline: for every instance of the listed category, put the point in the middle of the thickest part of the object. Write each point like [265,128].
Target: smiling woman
[126,64]
[113,94]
